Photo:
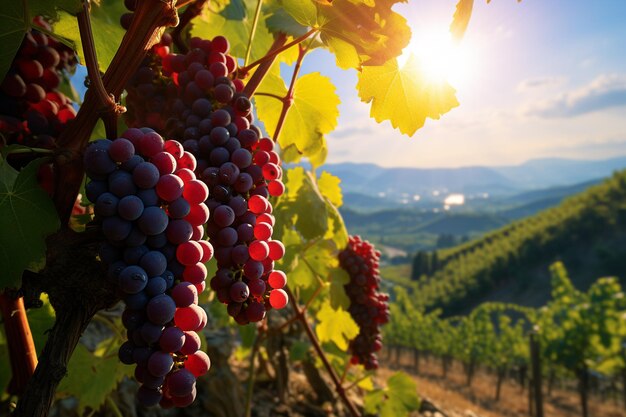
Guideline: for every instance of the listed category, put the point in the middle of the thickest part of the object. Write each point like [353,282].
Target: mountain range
[370,187]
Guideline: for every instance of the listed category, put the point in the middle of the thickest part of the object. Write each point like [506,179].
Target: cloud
[538,83]
[606,91]
[346,132]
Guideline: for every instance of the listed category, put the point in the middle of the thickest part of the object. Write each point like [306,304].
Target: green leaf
[329,187]
[461,18]
[312,220]
[281,21]
[51,8]
[107,32]
[398,399]
[27,216]
[313,114]
[13,24]
[338,297]
[298,350]
[304,12]
[404,96]
[40,321]
[335,326]
[91,378]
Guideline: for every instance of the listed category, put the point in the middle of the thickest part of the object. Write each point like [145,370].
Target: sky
[534,79]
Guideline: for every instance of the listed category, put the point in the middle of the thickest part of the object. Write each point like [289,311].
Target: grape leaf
[329,187]
[41,320]
[461,18]
[335,326]
[27,216]
[338,297]
[13,24]
[313,114]
[107,32]
[404,96]
[399,398]
[357,32]
[91,377]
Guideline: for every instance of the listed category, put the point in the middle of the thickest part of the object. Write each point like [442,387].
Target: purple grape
[130,207]
[161,309]
[153,221]
[133,279]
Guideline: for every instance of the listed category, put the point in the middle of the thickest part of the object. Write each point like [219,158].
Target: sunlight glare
[441,58]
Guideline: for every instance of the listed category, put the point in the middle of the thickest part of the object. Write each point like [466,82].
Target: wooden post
[536,375]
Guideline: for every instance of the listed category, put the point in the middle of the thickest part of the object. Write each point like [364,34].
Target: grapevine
[195,183]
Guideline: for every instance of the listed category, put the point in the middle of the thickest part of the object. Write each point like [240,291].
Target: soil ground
[455,399]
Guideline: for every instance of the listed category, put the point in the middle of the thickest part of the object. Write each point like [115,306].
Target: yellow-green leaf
[329,187]
[461,18]
[335,326]
[404,96]
[313,114]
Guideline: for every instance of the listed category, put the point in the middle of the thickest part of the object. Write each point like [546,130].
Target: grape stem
[107,101]
[257,13]
[194,9]
[301,315]
[273,52]
[288,99]
[260,73]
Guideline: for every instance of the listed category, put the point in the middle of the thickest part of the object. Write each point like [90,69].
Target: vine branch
[22,351]
[264,67]
[273,52]
[301,315]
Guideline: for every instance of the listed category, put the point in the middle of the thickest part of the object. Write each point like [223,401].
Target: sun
[441,59]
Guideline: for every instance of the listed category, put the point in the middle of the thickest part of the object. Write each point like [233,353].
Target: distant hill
[369,187]
[548,172]
[586,231]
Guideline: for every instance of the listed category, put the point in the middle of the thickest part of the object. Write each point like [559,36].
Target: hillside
[587,232]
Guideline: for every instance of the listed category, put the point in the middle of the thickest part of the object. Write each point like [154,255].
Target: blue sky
[539,79]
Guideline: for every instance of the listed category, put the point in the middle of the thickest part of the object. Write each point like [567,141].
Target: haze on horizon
[537,80]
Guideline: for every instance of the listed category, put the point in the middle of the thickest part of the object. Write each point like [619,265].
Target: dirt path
[453,397]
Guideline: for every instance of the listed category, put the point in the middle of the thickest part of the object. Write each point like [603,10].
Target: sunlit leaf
[461,18]
[313,114]
[335,326]
[357,32]
[27,216]
[404,96]
[329,187]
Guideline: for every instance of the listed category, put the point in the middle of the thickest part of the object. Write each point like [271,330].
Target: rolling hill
[586,231]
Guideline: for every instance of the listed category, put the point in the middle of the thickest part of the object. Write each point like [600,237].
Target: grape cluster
[368,307]
[196,98]
[33,112]
[151,210]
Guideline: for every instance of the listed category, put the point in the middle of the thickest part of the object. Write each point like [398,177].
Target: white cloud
[606,91]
